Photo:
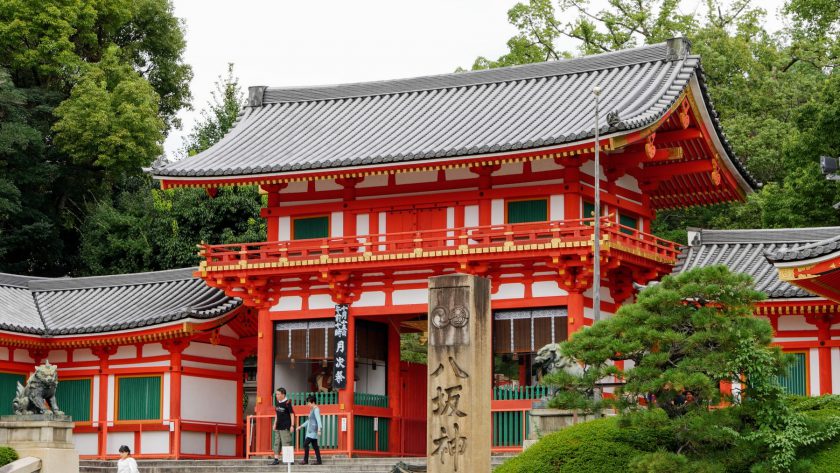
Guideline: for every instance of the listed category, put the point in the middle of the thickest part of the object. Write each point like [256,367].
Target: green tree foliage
[776,92]
[412,349]
[146,229]
[684,337]
[89,89]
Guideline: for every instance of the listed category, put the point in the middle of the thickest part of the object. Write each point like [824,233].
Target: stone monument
[38,428]
[459,425]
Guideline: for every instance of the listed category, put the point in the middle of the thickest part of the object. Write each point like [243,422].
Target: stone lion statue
[38,396]
[549,360]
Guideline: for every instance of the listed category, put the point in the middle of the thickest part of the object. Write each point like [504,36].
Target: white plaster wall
[383,223]
[458,174]
[209,366]
[497,212]
[284,229]
[288,303]
[370,299]
[835,370]
[4,353]
[295,187]
[410,296]
[327,185]
[794,339]
[321,301]
[227,332]
[814,371]
[556,209]
[111,399]
[589,168]
[337,224]
[95,400]
[374,181]
[193,442]
[154,349]
[589,313]
[210,351]
[509,169]
[167,395]
[125,351]
[794,322]
[416,177]
[150,364]
[227,445]
[628,182]
[540,165]
[84,354]
[471,216]
[22,356]
[86,444]
[605,293]
[363,224]
[208,400]
[154,442]
[509,291]
[547,289]
[57,356]
[371,381]
[117,439]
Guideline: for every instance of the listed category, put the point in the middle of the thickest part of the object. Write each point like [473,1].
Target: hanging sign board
[340,371]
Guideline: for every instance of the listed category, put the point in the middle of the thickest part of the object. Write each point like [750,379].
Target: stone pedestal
[47,437]
[460,367]
[543,421]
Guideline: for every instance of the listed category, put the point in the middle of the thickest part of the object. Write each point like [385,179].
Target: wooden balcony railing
[438,242]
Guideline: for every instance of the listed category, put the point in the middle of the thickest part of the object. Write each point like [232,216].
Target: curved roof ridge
[111,280]
[17,280]
[811,250]
[768,235]
[562,67]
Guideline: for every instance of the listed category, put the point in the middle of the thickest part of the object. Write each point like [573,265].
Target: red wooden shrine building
[373,187]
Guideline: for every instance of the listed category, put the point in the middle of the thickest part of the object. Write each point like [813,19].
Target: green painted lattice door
[794,381]
[527,211]
[311,227]
[139,398]
[73,397]
[8,386]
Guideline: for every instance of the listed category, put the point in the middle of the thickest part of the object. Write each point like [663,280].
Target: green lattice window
[588,210]
[628,221]
[310,227]
[521,211]
[139,398]
[73,396]
[8,386]
[794,381]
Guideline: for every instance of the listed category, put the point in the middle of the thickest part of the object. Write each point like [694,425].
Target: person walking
[313,430]
[282,423]
[126,464]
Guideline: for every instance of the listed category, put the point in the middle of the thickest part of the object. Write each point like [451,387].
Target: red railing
[565,233]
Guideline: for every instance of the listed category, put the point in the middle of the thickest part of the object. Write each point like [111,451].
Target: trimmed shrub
[591,447]
[658,462]
[826,459]
[7,455]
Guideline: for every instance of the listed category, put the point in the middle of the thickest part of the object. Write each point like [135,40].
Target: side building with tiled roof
[802,301]
[134,352]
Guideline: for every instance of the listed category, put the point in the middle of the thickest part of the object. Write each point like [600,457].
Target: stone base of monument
[48,437]
[543,421]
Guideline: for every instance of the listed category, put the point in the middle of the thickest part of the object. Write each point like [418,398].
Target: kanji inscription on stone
[459,364]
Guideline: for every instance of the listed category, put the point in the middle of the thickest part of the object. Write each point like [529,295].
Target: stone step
[331,465]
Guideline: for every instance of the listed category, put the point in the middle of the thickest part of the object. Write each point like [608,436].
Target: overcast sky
[298,43]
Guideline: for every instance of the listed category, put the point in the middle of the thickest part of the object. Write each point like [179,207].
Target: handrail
[577,230]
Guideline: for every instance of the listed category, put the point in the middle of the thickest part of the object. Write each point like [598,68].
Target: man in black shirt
[282,423]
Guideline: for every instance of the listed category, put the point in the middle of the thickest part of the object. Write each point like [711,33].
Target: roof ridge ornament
[677,48]
[255,95]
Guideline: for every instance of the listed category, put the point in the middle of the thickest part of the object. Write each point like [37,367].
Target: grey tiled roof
[65,306]
[812,250]
[745,251]
[450,115]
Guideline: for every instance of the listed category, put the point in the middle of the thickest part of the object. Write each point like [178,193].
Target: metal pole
[596,269]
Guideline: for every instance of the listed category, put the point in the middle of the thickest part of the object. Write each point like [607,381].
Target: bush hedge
[7,455]
[591,447]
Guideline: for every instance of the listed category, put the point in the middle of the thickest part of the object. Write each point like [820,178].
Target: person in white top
[126,464]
